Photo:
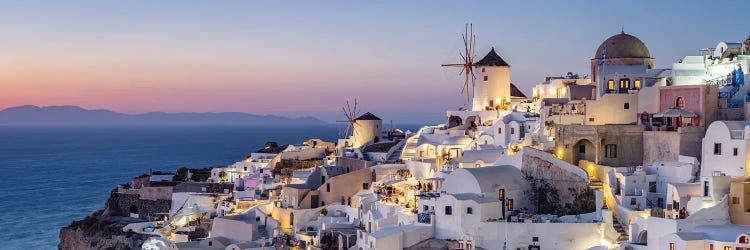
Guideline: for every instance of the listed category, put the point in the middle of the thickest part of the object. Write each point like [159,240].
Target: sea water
[50,176]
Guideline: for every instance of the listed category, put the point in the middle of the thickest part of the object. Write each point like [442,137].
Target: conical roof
[367,116]
[492,59]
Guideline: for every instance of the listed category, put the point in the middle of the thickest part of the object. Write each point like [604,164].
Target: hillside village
[627,156]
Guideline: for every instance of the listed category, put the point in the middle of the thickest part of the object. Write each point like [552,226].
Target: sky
[309,57]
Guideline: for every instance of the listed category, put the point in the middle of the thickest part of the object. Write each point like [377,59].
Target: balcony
[424,218]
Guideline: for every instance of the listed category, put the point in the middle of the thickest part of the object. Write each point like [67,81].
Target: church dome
[623,46]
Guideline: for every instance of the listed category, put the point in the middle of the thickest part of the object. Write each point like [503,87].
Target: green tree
[543,195]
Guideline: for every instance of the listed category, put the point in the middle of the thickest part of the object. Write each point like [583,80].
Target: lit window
[501,194]
[727,248]
[637,84]
[671,246]
[510,204]
[624,84]
[744,239]
[611,84]
[477,165]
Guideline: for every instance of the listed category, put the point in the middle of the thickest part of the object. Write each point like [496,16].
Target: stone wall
[560,173]
[120,205]
[669,145]
[627,138]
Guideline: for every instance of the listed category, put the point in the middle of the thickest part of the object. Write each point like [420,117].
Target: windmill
[351,117]
[467,61]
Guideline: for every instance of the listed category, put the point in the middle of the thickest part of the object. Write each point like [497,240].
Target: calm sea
[50,176]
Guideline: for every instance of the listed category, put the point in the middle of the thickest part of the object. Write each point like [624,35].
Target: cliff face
[100,232]
[103,228]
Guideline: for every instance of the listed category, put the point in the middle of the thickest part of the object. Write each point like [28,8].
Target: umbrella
[675,112]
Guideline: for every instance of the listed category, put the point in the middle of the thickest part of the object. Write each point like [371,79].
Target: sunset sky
[308,57]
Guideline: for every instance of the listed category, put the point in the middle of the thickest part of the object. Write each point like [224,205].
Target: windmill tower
[360,130]
[493,87]
[467,62]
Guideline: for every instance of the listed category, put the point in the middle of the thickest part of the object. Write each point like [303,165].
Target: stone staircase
[395,155]
[409,151]
[622,230]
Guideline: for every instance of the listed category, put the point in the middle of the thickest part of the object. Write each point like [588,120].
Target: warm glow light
[559,153]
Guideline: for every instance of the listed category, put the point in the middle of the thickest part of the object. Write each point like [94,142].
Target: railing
[424,218]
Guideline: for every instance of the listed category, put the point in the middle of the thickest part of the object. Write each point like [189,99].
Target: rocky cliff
[103,229]
[98,231]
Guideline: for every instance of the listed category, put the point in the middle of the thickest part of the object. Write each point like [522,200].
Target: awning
[675,112]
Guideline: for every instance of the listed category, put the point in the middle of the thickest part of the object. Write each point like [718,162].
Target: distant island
[74,115]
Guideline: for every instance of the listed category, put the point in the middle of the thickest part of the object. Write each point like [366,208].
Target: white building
[725,148]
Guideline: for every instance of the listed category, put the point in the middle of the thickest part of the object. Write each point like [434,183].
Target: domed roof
[623,46]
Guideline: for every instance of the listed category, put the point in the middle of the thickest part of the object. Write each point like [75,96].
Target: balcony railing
[424,218]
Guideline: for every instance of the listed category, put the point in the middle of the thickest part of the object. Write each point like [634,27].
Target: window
[632,201]
[469,210]
[735,151]
[671,246]
[322,179]
[711,247]
[512,131]
[245,168]
[610,150]
[627,105]
[582,149]
[705,188]
[483,69]
[735,200]
[652,187]
[680,103]
[717,148]
[328,187]
[727,248]
[510,204]
[637,84]
[426,208]
[485,78]
[499,130]
[611,84]
[501,194]
[365,185]
[624,83]
[743,239]
[448,210]
[477,165]
[591,119]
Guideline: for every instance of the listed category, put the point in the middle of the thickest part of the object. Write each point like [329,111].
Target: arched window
[680,103]
[743,239]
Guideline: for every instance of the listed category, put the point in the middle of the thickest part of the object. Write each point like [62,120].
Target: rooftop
[492,59]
